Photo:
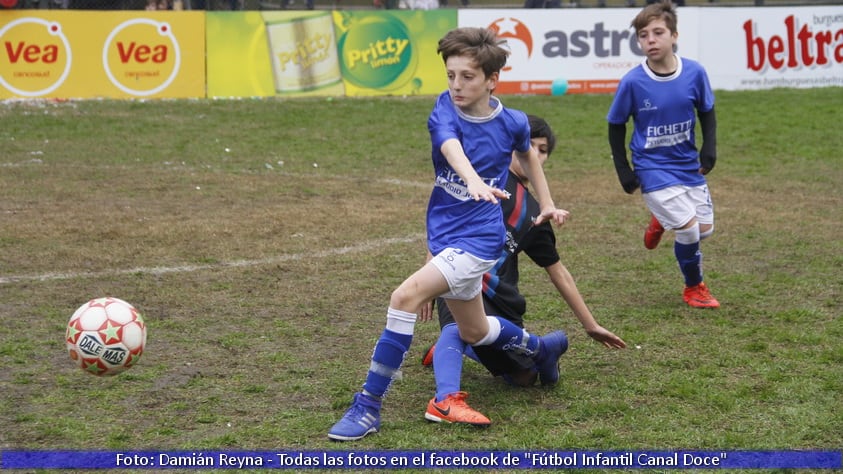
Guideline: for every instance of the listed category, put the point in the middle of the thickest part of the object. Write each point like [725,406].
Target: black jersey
[500,285]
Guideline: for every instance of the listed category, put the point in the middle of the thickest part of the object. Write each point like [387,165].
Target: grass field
[261,240]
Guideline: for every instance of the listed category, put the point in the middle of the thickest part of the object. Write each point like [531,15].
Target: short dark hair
[664,10]
[480,44]
[539,128]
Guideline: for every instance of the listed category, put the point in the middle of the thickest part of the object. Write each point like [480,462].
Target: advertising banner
[392,52]
[70,54]
[762,48]
[351,53]
[184,54]
[262,54]
[570,51]
[589,50]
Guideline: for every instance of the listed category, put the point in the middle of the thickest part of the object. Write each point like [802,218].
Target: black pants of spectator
[543,4]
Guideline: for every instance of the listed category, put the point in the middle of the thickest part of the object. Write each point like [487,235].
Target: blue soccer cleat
[554,344]
[361,419]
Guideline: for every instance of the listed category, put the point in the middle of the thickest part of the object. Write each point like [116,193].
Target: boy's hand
[556,216]
[425,311]
[605,337]
[628,180]
[707,163]
[483,192]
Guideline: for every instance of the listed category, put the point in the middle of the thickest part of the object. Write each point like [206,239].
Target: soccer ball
[106,336]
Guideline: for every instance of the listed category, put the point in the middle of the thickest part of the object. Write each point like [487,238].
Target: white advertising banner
[588,50]
[762,48]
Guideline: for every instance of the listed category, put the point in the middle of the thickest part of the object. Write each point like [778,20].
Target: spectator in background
[423,4]
[152,5]
[444,3]
[288,4]
[543,4]
[93,5]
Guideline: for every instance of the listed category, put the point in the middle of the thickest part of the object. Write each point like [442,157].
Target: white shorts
[677,205]
[463,272]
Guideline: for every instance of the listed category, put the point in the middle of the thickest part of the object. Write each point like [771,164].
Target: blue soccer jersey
[664,112]
[454,219]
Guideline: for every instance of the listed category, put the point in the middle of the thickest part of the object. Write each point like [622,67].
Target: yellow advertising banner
[392,52]
[322,53]
[93,54]
[268,53]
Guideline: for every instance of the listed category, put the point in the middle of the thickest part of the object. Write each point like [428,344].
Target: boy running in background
[664,95]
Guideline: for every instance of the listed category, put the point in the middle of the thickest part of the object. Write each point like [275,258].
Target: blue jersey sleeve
[707,94]
[443,123]
[620,110]
[522,134]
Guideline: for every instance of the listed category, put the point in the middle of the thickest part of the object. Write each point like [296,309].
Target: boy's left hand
[556,216]
[483,192]
[425,312]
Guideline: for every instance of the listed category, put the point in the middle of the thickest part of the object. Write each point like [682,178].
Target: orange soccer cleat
[427,359]
[653,234]
[453,409]
[698,296]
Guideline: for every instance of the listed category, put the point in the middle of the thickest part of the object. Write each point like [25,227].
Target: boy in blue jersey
[664,95]
[502,297]
[473,139]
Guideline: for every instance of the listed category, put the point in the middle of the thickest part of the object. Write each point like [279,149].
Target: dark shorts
[496,361]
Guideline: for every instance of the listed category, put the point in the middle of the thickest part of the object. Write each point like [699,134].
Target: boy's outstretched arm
[564,283]
[477,188]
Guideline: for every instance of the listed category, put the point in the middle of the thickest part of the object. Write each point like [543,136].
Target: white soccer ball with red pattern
[106,336]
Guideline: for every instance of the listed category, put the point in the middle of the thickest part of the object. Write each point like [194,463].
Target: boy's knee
[403,300]
[706,230]
[471,335]
[453,330]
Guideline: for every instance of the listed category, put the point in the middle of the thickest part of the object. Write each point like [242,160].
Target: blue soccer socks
[689,258]
[447,361]
[386,361]
[686,247]
[509,337]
